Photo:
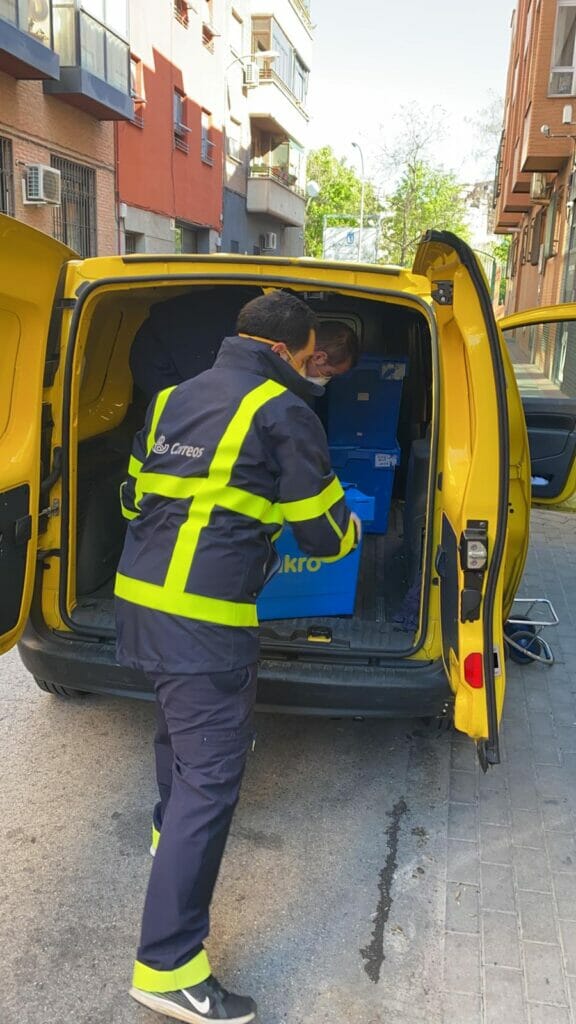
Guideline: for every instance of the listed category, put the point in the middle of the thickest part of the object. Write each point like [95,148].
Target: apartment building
[170,156]
[535,177]
[64,80]
[266,81]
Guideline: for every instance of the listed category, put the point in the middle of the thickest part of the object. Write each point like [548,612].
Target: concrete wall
[246,229]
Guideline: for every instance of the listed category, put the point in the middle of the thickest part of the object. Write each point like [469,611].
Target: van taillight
[474,671]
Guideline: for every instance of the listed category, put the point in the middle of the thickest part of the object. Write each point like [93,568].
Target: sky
[372,57]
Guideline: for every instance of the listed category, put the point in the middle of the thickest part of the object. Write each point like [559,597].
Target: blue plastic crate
[304,586]
[371,470]
[364,404]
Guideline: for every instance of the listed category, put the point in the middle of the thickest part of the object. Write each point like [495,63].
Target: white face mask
[321,381]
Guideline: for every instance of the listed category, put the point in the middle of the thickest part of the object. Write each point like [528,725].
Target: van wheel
[59,691]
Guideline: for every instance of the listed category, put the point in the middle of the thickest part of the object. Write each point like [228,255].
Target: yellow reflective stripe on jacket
[219,474]
[128,514]
[159,406]
[311,508]
[134,466]
[347,543]
[147,979]
[190,606]
[167,486]
[234,499]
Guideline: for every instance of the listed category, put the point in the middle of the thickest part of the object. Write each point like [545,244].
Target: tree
[424,195]
[340,193]
[488,123]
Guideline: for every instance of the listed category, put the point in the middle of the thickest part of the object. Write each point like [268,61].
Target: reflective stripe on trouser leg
[209,720]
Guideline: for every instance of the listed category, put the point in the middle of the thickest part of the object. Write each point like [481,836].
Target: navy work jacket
[222,462]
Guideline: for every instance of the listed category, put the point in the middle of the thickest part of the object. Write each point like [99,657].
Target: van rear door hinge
[443,293]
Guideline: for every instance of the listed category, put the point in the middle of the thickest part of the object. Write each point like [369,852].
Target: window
[233,140]
[563,58]
[300,86]
[33,18]
[179,121]
[207,26]
[283,63]
[6,177]
[137,91]
[74,221]
[181,12]
[236,34]
[133,242]
[536,238]
[287,66]
[207,146]
[550,230]
[93,36]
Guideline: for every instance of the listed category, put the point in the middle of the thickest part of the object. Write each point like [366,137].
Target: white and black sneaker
[208,1001]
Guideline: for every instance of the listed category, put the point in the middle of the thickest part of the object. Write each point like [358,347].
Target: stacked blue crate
[304,586]
[363,409]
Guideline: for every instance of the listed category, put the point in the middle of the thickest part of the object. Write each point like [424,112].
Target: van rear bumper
[405,688]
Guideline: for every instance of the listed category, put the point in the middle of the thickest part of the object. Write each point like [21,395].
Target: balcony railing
[280,174]
[207,151]
[267,75]
[303,9]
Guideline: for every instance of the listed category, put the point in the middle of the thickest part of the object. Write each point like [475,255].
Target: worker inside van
[180,338]
[337,351]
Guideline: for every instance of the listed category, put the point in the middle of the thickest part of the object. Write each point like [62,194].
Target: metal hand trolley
[522,634]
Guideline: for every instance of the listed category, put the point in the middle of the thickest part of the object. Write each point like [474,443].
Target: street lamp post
[362,193]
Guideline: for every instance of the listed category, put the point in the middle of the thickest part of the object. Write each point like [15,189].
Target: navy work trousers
[205,729]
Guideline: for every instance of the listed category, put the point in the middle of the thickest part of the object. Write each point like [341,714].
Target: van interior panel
[387,603]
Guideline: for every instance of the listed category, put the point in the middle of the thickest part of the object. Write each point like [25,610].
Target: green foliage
[425,197]
[340,192]
[500,250]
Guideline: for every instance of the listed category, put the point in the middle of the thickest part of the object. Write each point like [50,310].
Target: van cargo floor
[382,594]
[381,590]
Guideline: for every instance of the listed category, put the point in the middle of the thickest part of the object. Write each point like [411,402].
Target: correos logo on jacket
[189,450]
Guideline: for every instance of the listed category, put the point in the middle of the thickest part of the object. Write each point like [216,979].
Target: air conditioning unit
[251,74]
[270,241]
[41,185]
[539,191]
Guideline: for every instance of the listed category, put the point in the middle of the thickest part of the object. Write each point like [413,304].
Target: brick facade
[41,126]
[531,160]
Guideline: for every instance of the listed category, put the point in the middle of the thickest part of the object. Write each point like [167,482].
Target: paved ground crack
[373,954]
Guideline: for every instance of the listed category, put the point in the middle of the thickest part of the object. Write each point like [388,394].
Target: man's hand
[358,526]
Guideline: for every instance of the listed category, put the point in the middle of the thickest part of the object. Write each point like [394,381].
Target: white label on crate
[363,396]
[383,460]
[393,371]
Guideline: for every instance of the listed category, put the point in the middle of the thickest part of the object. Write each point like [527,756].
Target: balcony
[26,42]
[95,65]
[302,8]
[273,191]
[275,108]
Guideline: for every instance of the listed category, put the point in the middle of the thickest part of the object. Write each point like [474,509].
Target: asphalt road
[333,813]
[373,874]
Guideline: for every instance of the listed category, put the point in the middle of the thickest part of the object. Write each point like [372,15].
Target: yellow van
[458,529]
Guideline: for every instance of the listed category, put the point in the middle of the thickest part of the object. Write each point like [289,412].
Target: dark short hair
[339,341]
[278,316]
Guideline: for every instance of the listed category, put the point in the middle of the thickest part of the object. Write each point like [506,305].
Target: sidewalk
[510,951]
